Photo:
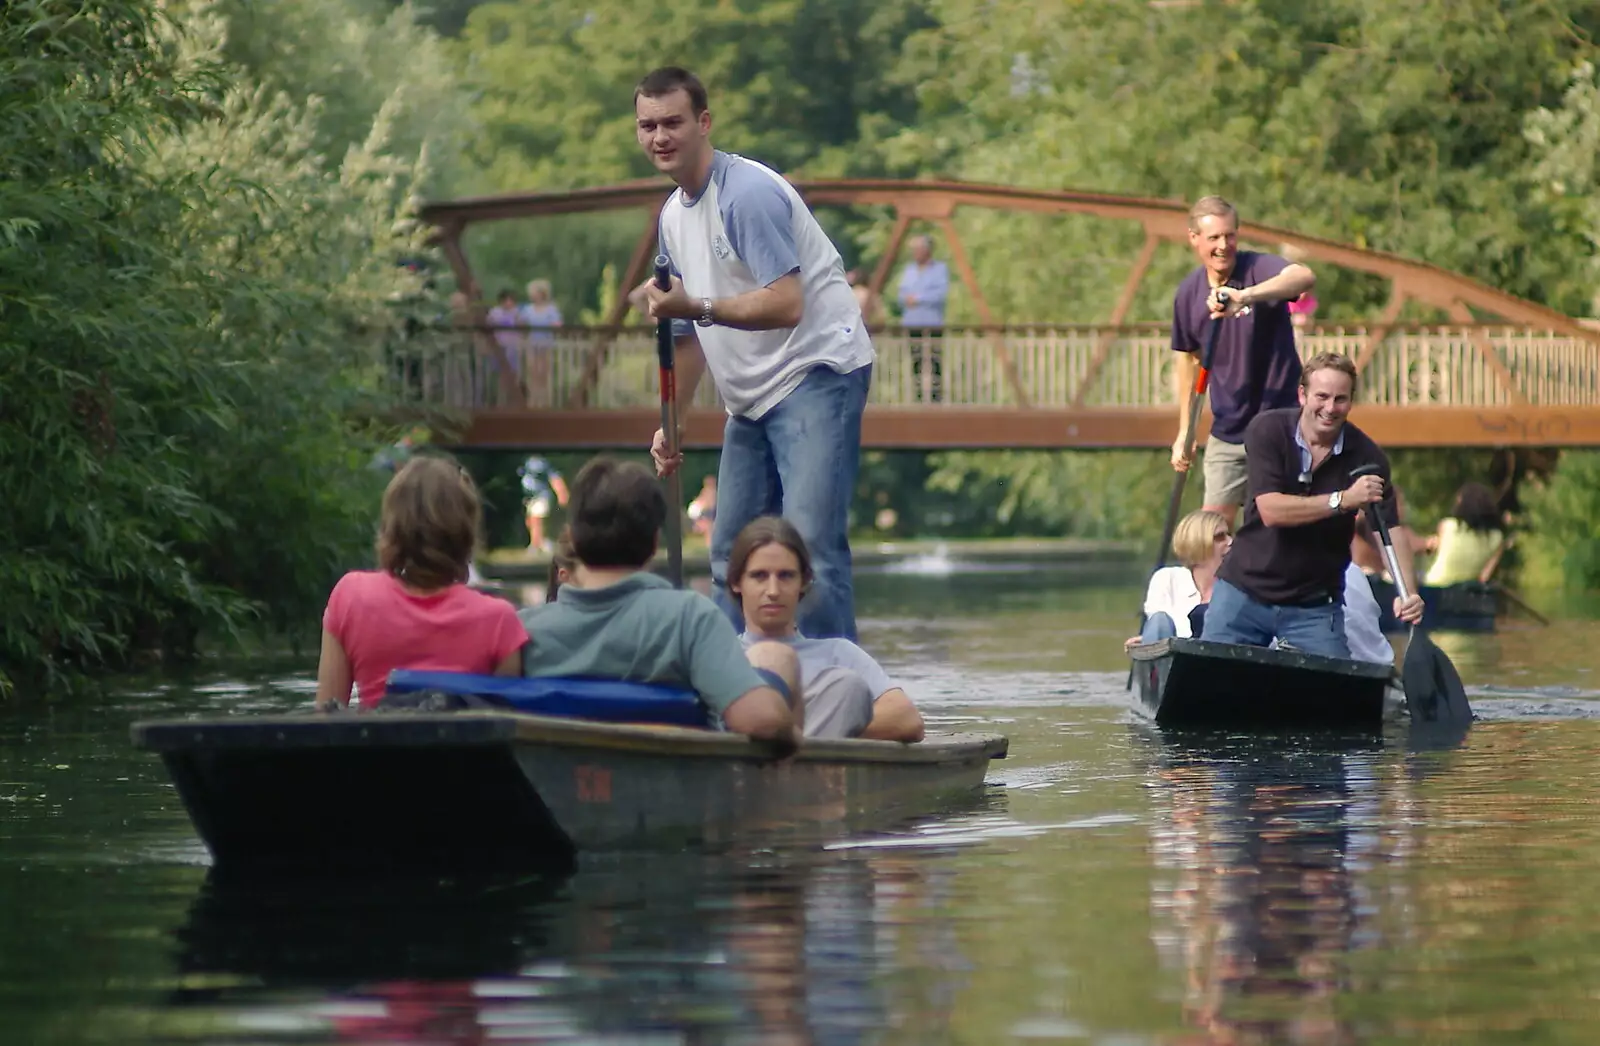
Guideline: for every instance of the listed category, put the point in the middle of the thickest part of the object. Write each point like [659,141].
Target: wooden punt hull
[1467,607]
[476,789]
[1193,683]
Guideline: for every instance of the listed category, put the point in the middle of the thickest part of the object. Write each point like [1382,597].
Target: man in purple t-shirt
[1256,366]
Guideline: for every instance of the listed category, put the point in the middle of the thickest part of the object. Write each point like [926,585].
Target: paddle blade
[1434,692]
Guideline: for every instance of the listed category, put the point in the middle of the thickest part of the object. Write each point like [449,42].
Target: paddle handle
[669,429]
[1381,528]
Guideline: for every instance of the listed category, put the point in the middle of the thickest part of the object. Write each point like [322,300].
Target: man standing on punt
[1256,364]
[1284,576]
[780,330]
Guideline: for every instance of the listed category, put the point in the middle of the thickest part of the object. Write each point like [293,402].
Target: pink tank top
[382,627]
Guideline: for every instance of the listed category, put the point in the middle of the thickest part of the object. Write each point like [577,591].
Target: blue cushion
[607,700]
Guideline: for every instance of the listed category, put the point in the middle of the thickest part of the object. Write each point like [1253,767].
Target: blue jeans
[1157,626]
[1235,617]
[799,460]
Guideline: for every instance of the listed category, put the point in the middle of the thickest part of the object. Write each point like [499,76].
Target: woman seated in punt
[847,693]
[1199,541]
[416,610]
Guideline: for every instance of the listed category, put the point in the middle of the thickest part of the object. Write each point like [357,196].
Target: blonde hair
[538,285]
[1196,536]
[429,523]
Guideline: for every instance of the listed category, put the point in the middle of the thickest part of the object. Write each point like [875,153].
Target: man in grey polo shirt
[616,620]
[759,299]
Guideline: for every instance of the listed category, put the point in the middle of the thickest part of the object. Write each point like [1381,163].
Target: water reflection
[1262,853]
[772,948]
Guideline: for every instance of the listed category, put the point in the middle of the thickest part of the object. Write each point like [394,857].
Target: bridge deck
[1035,386]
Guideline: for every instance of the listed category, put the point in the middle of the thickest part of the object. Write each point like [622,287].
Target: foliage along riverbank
[187,254]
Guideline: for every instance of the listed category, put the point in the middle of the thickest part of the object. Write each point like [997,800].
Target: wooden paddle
[1434,693]
[1175,501]
[669,431]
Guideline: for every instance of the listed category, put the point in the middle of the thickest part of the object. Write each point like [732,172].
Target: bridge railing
[1053,366]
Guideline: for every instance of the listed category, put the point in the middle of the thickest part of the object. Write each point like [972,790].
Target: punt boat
[1194,683]
[488,786]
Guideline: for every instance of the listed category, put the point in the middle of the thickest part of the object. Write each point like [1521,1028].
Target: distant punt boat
[470,789]
[1470,606]
[1194,683]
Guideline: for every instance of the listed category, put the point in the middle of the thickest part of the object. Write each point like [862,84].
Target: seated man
[619,621]
[1284,576]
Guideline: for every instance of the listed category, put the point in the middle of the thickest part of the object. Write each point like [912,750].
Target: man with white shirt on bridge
[759,298]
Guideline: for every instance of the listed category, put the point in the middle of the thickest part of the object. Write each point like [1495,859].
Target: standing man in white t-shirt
[759,298]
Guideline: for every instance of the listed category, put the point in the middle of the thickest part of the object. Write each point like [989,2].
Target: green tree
[185,279]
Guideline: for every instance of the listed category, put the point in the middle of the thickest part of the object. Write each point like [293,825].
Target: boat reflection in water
[768,947]
[1271,863]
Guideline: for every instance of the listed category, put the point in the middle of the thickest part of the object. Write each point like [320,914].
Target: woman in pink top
[416,611]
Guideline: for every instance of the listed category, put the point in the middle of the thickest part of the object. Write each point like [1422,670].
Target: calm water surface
[1113,886]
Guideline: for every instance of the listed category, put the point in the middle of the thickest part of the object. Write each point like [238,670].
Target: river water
[1111,886]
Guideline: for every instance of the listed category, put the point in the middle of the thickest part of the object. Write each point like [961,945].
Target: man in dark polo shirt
[1256,366]
[1284,576]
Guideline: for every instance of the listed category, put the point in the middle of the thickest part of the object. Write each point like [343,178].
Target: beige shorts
[1226,473]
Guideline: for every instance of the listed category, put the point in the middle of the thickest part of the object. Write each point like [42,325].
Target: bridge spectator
[505,315]
[777,325]
[924,286]
[539,314]
[1257,365]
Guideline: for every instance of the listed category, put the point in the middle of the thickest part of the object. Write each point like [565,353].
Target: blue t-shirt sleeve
[759,219]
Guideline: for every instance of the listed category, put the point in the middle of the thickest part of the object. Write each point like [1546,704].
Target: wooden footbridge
[1498,371]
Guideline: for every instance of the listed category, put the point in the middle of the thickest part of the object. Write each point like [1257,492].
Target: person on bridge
[1256,366]
[1284,576]
[924,287]
[778,327]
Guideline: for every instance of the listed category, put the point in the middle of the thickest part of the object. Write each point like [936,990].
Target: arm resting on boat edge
[762,715]
[894,718]
[334,677]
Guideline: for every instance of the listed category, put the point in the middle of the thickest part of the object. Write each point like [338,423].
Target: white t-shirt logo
[720,247]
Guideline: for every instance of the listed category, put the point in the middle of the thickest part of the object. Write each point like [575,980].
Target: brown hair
[1328,361]
[663,81]
[1209,207]
[563,558]
[429,523]
[759,533]
[1476,507]
[616,512]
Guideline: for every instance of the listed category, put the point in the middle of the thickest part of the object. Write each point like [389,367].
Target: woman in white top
[1199,542]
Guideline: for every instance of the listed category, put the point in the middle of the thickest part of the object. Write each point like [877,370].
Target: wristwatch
[1335,500]
[705,313]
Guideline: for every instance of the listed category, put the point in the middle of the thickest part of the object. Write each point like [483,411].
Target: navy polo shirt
[1304,565]
[1256,366]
